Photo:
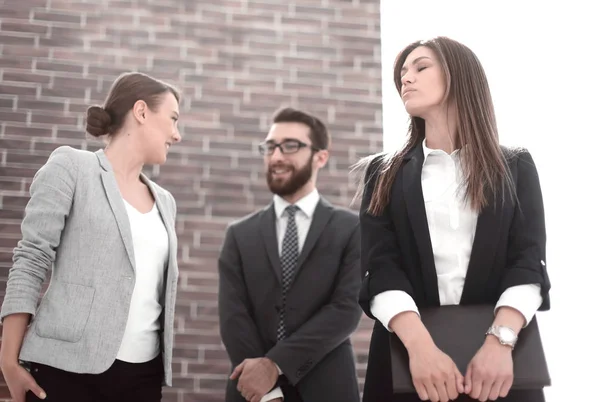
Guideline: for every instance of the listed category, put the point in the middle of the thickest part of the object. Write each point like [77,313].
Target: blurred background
[237,61]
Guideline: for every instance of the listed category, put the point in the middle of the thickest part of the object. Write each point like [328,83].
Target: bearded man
[289,278]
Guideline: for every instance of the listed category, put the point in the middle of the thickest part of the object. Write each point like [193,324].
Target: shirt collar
[428,151]
[307,204]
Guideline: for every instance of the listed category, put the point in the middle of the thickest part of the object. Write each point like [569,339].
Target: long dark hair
[482,159]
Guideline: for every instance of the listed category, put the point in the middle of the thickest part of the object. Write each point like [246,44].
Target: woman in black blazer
[452,218]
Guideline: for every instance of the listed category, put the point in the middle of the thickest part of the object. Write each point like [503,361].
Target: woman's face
[423,83]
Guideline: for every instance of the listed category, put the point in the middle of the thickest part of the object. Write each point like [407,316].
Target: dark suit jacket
[509,249]
[322,307]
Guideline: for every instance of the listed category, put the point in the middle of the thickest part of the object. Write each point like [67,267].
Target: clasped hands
[437,379]
[256,377]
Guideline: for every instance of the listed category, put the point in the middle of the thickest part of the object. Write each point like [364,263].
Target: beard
[288,186]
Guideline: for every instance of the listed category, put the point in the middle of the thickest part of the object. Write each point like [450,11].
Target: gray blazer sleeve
[51,197]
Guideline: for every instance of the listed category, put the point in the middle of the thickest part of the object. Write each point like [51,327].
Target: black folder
[459,331]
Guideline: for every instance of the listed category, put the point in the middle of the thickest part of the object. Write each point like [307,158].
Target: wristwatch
[505,335]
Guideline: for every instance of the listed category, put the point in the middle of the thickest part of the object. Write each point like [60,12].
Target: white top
[452,225]
[307,206]
[141,341]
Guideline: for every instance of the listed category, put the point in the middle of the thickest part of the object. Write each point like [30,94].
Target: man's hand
[490,373]
[256,377]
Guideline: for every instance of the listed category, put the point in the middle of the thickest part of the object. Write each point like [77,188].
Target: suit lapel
[269,235]
[320,220]
[483,252]
[117,205]
[167,219]
[413,194]
[322,214]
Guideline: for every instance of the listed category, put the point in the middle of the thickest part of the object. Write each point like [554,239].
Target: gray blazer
[76,221]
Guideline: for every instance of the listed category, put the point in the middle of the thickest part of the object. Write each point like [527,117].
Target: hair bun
[98,121]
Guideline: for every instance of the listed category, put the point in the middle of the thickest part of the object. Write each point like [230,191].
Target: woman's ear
[139,111]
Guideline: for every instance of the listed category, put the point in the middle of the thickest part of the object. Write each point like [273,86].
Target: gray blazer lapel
[267,230]
[320,219]
[117,205]
[167,217]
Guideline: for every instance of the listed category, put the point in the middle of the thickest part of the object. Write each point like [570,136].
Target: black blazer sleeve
[238,330]
[526,254]
[380,254]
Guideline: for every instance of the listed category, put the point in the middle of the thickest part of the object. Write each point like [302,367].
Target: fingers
[476,386]
[495,391]
[486,387]
[431,392]
[33,386]
[237,371]
[469,380]
[37,390]
[506,385]
[440,387]
[247,395]
[460,381]
[451,387]
[421,391]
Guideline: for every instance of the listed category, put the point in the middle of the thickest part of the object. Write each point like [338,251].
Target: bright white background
[543,68]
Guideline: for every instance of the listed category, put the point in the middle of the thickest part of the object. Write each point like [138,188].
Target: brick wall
[236,62]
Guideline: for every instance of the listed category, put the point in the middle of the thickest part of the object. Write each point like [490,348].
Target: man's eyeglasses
[286,147]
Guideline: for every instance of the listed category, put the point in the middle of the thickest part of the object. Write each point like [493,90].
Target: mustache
[280,166]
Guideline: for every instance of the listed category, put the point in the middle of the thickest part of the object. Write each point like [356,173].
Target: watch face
[506,334]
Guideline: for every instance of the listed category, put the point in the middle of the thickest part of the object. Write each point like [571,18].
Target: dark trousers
[122,382]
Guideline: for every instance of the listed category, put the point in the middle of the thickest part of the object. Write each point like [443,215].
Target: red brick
[27,132]
[32,104]
[59,67]
[61,16]
[53,119]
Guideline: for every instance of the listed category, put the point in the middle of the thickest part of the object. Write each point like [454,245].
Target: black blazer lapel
[415,205]
[483,251]
[269,235]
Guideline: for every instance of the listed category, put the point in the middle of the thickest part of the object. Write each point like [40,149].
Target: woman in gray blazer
[104,328]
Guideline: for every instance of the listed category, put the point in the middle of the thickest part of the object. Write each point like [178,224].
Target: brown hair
[127,89]
[481,156]
[318,132]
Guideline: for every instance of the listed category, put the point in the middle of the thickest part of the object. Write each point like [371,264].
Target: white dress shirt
[452,226]
[151,249]
[307,206]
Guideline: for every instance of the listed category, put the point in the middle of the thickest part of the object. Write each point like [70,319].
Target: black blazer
[396,254]
[322,308]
